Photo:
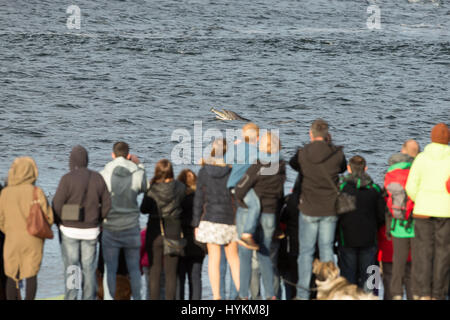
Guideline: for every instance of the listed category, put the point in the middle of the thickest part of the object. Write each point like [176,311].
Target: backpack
[400,206]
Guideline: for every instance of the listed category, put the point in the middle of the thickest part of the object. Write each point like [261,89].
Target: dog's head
[325,270]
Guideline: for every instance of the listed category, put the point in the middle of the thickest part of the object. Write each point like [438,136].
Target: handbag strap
[161,226]
[86,190]
[35,195]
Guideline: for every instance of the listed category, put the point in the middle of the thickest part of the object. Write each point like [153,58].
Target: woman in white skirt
[213,216]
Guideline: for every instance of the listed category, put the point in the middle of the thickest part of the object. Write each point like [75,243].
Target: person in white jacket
[125,178]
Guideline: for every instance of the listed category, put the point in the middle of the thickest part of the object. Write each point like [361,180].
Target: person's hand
[134,159]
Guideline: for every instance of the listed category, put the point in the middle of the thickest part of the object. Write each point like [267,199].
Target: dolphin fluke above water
[227,115]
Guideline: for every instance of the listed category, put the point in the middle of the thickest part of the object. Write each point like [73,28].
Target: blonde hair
[269,143]
[250,132]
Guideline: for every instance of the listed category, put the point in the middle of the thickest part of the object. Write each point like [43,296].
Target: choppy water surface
[137,70]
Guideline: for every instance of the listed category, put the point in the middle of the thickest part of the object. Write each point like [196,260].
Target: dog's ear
[316,262]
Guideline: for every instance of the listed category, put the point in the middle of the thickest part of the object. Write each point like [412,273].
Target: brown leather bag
[37,224]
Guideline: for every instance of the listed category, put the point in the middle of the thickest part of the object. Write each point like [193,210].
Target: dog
[123,287]
[331,286]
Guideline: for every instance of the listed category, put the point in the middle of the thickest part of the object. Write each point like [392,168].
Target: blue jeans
[79,253]
[256,274]
[263,236]
[130,241]
[224,269]
[312,230]
[354,262]
[254,209]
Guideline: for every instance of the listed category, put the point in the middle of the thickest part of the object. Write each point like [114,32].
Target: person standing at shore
[357,230]
[426,186]
[190,264]
[22,251]
[79,237]
[213,216]
[269,189]
[125,178]
[247,154]
[163,204]
[401,231]
[2,268]
[317,220]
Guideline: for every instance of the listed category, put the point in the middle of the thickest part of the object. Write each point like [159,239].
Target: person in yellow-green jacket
[426,186]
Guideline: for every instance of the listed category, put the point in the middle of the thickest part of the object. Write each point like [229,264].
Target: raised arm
[105,198]
[294,161]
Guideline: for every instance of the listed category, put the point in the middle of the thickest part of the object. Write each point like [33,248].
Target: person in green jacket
[426,186]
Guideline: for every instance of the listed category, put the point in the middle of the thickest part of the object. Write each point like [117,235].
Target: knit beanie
[440,134]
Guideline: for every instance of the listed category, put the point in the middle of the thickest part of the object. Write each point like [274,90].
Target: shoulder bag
[37,224]
[345,202]
[173,247]
[75,212]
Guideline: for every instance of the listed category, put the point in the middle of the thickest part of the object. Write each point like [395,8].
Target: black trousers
[2,269]
[431,257]
[12,292]
[157,260]
[400,265]
[190,267]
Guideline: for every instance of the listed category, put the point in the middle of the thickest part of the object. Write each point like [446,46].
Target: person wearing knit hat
[426,186]
[440,134]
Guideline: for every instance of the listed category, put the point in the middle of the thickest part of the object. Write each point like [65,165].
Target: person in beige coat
[22,252]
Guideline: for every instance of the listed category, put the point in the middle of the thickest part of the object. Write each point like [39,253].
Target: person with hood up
[22,251]
[317,204]
[426,186]
[163,203]
[125,179]
[213,216]
[79,238]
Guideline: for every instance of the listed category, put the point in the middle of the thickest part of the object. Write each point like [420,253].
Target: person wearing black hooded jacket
[79,239]
[163,203]
[357,230]
[319,162]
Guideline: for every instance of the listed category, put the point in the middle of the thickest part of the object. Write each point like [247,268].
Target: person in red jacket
[399,216]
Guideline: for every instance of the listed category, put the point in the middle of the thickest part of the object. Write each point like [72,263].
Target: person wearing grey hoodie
[125,178]
[79,238]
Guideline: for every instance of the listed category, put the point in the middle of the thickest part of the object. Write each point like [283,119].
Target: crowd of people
[235,212]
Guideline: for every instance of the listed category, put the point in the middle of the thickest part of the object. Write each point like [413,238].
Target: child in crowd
[247,154]
[357,230]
